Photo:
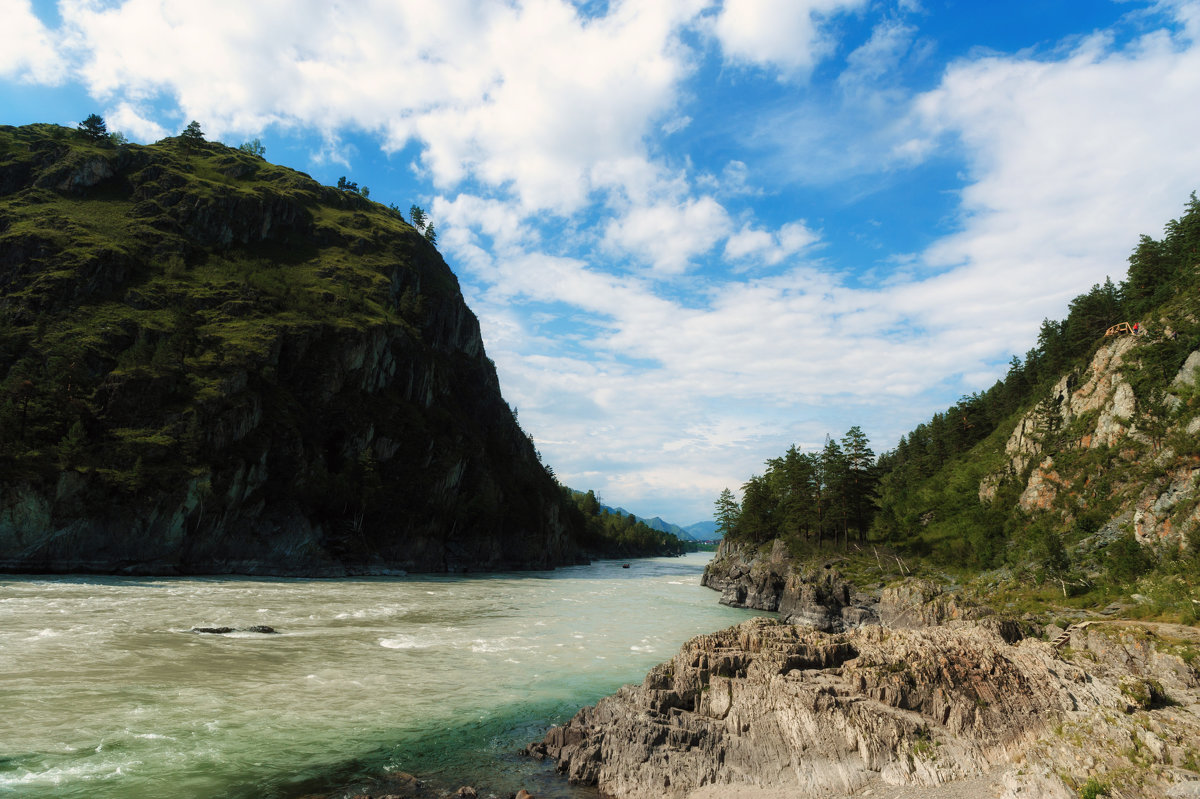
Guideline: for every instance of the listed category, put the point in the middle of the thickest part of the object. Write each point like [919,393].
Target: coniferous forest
[923,496]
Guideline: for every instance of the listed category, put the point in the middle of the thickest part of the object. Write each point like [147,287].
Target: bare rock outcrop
[776,706]
[814,594]
[1098,409]
[922,603]
[747,578]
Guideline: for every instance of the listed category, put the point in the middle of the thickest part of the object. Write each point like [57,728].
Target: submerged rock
[258,628]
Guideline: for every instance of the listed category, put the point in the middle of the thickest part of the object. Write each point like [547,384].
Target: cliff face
[811,594]
[777,706]
[1099,444]
[213,364]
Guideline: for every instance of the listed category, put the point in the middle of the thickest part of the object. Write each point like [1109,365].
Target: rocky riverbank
[816,595]
[771,706]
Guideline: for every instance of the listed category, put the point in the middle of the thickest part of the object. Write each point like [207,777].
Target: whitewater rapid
[106,693]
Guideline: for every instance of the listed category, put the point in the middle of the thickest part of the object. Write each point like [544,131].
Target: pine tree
[417,217]
[860,479]
[192,135]
[94,128]
[727,513]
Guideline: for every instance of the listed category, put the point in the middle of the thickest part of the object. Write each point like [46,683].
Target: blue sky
[695,232]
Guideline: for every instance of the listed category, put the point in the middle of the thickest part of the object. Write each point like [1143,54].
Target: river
[106,693]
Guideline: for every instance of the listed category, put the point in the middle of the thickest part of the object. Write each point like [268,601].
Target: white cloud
[527,97]
[27,50]
[783,34]
[501,222]
[873,69]
[766,247]
[130,120]
[1069,161]
[668,235]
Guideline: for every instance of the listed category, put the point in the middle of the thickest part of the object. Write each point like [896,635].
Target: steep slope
[1099,446]
[209,363]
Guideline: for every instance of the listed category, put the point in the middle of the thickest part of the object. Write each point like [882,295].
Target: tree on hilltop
[422,223]
[192,135]
[94,128]
[254,147]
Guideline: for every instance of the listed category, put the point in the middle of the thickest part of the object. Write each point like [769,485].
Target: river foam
[109,695]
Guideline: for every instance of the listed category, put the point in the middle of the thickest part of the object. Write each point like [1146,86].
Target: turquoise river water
[105,692]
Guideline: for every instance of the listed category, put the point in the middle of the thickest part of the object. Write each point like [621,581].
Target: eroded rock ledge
[778,706]
[816,595]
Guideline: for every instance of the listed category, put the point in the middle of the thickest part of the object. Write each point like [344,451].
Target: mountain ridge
[210,364]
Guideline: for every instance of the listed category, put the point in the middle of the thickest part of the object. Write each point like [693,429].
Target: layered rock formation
[209,363]
[775,706]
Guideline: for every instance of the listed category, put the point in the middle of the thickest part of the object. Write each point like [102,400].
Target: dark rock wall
[334,448]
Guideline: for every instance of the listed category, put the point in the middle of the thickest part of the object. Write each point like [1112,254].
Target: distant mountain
[700,531]
[703,531]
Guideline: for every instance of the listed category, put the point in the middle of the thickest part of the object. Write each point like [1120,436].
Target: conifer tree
[727,513]
[94,128]
[192,135]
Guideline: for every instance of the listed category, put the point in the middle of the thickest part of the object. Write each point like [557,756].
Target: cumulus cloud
[785,35]
[668,235]
[529,97]
[766,247]
[28,51]
[135,123]
[1069,161]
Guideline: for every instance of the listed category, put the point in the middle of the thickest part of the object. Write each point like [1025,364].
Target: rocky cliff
[1106,442]
[209,363]
[812,593]
[777,706]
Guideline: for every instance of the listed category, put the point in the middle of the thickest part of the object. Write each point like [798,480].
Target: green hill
[209,363]
[1077,474]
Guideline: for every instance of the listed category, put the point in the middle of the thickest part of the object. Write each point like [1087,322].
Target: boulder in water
[258,628]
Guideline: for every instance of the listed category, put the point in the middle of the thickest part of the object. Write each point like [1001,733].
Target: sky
[695,232]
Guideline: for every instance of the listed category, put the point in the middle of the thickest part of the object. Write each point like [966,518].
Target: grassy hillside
[212,349]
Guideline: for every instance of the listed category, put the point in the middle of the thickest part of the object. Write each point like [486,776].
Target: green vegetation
[616,535]
[948,494]
[806,498]
[1093,788]
[187,325]
[158,311]
[94,128]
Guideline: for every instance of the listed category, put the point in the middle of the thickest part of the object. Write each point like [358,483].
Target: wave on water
[503,644]
[406,642]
